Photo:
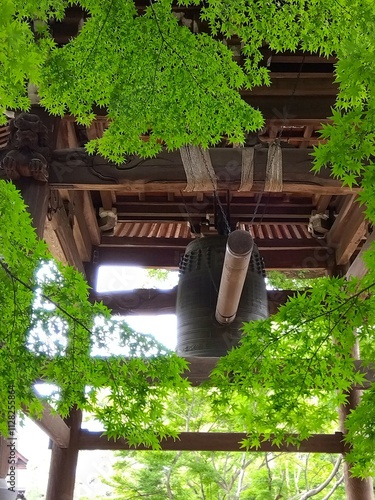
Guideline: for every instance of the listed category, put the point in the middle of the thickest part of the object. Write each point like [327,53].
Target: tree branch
[318,489]
[334,488]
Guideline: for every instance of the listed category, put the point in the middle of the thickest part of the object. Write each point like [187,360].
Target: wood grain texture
[74,169]
[217,441]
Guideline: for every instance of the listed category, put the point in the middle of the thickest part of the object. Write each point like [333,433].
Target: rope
[200,175]
[247,170]
[274,168]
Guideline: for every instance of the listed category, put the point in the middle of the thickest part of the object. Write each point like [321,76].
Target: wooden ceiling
[140,213]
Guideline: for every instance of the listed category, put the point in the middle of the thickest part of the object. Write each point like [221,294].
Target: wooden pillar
[356,488]
[62,472]
[91,272]
[4,456]
[36,197]
[5,493]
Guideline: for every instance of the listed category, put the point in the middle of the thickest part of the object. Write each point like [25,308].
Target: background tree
[281,281]
[218,475]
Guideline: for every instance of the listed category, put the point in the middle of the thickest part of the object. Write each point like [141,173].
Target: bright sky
[116,278]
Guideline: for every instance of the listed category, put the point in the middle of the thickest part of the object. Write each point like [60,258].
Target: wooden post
[36,196]
[91,273]
[356,488]
[5,493]
[62,472]
[4,456]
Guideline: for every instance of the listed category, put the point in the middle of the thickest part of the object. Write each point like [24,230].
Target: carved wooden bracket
[27,153]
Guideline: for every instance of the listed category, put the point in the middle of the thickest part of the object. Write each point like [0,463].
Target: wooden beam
[169,258]
[322,203]
[217,441]
[302,107]
[181,243]
[305,86]
[64,232]
[285,75]
[348,230]
[74,169]
[358,267]
[345,205]
[141,301]
[107,201]
[154,301]
[74,201]
[53,425]
[143,242]
[81,231]
[89,215]
[242,218]
[352,237]
[239,209]
[294,57]
[200,368]
[54,245]
[35,194]
[63,465]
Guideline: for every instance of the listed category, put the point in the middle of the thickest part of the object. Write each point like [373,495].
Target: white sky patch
[44,389]
[163,327]
[116,278]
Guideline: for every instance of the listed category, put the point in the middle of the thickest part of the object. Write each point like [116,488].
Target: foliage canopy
[154,76]
[51,332]
[219,475]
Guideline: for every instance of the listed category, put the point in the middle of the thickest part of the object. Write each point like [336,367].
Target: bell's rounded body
[198,332]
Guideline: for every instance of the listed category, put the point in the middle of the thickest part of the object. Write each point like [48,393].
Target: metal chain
[225,218]
[256,208]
